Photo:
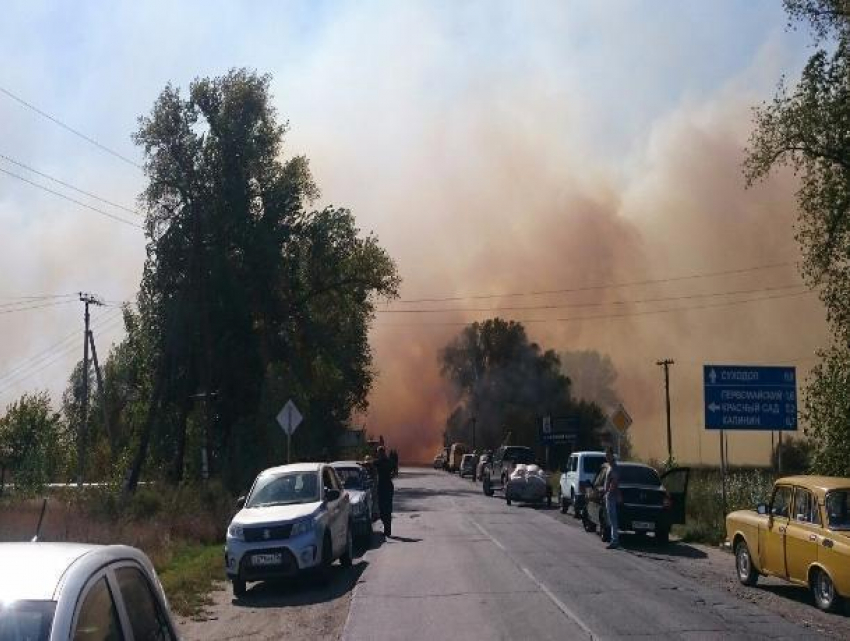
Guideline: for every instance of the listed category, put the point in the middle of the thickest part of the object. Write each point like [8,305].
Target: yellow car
[802,536]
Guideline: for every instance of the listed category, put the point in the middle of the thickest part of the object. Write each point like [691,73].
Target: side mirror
[240,502]
[332,495]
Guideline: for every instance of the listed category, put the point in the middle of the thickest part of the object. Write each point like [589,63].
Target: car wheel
[823,589]
[564,505]
[327,559]
[348,555]
[589,526]
[239,587]
[488,489]
[662,536]
[549,499]
[507,496]
[577,512]
[747,573]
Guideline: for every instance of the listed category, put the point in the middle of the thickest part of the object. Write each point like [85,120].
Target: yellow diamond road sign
[621,419]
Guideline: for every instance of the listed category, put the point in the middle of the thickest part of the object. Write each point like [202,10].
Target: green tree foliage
[508,384]
[796,455]
[808,128]
[33,442]
[248,296]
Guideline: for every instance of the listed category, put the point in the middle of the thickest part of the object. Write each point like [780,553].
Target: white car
[582,468]
[528,484]
[357,483]
[62,591]
[295,518]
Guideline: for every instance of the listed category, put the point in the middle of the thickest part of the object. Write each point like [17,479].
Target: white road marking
[568,612]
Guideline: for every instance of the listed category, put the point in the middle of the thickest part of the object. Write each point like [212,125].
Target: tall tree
[808,128]
[33,441]
[248,297]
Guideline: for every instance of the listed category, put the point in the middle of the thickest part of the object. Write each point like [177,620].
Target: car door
[773,558]
[675,481]
[802,535]
[571,480]
[144,612]
[334,510]
[96,617]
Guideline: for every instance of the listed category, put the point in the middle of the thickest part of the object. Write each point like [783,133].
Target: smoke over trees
[508,383]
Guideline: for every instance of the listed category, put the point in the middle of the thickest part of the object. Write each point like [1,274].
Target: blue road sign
[738,397]
[558,430]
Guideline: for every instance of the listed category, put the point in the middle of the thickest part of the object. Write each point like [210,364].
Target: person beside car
[384,466]
[612,496]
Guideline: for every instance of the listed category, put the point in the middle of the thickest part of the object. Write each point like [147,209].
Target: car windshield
[638,475]
[592,464]
[351,477]
[520,456]
[26,620]
[837,509]
[285,489]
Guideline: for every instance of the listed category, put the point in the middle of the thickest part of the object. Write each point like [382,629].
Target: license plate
[267,559]
[643,525]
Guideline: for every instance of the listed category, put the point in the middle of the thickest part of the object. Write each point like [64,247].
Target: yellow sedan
[802,535]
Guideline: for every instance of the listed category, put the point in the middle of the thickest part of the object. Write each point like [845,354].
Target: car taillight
[668,502]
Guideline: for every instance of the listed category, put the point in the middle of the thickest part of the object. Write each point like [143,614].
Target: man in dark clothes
[385,490]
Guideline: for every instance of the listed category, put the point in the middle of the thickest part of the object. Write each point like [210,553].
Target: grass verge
[188,577]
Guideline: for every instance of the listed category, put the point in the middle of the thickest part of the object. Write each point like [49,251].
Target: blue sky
[420,116]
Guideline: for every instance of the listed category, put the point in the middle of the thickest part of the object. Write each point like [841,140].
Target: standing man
[612,497]
[385,490]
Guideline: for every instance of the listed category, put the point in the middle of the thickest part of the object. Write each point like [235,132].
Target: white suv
[580,471]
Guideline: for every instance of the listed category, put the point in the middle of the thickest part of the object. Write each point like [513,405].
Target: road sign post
[289,418]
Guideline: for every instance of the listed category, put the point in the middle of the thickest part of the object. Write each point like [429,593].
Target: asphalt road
[463,565]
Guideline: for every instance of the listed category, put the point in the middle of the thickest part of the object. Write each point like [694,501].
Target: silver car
[358,484]
[295,518]
[62,591]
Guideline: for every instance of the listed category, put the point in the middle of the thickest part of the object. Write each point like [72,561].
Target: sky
[494,148]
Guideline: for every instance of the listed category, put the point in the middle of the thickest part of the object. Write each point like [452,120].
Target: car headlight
[302,527]
[236,531]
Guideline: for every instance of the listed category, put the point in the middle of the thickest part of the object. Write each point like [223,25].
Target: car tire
[744,568]
[662,536]
[589,526]
[488,488]
[577,512]
[563,502]
[324,572]
[347,557]
[239,587]
[823,590]
[549,499]
[507,496]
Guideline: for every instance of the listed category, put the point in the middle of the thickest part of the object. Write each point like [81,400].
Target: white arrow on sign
[713,407]
[289,418]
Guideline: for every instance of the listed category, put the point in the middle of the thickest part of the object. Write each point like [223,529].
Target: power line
[70,129]
[70,186]
[35,306]
[39,296]
[587,288]
[610,316]
[593,304]
[73,200]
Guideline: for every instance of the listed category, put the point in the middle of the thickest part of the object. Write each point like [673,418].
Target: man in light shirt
[612,497]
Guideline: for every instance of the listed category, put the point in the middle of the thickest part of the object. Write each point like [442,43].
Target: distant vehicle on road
[581,469]
[650,503]
[456,452]
[528,484]
[499,470]
[364,507]
[295,518]
[439,461]
[482,462]
[802,536]
[52,591]
[467,465]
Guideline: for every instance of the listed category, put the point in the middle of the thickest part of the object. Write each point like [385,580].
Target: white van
[580,470]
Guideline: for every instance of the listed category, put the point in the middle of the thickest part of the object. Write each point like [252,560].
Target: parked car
[467,465]
[364,506]
[650,503]
[295,518]
[580,470]
[528,484]
[439,462]
[497,472]
[52,591]
[802,536]
[456,454]
[483,461]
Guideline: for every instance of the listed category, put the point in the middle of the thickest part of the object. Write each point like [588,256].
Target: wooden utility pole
[86,299]
[666,363]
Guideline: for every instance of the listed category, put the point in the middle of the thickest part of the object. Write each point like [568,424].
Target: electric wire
[35,306]
[73,200]
[587,288]
[589,304]
[70,186]
[77,133]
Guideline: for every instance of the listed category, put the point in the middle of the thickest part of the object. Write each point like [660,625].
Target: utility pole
[666,363]
[86,299]
[102,391]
